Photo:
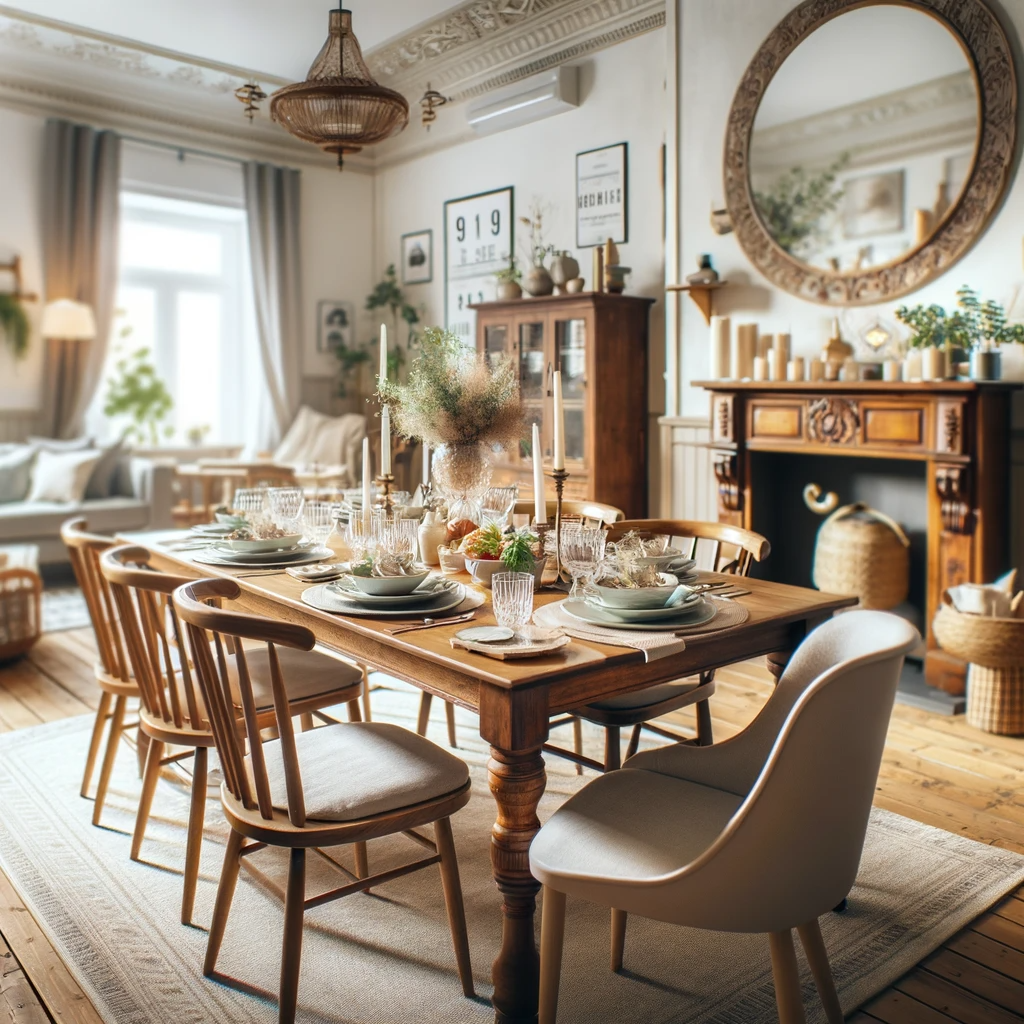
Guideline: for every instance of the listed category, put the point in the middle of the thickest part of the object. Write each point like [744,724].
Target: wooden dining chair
[337,785]
[716,546]
[172,712]
[762,833]
[112,669]
[588,511]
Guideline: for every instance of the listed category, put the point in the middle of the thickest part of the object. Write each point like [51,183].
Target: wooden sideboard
[959,429]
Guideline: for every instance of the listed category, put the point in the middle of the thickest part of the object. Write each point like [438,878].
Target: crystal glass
[396,536]
[249,501]
[497,504]
[360,536]
[581,552]
[285,507]
[512,599]
[318,521]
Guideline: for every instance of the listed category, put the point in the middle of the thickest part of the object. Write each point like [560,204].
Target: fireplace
[934,456]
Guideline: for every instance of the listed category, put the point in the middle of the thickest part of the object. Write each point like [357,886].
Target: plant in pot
[537,281]
[463,407]
[136,391]
[387,295]
[14,324]
[931,334]
[508,281]
[980,328]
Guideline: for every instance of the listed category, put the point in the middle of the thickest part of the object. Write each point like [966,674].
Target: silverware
[429,623]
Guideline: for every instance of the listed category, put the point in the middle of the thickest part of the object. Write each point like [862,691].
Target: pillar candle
[891,370]
[817,369]
[385,441]
[558,461]
[933,363]
[760,368]
[383,372]
[598,269]
[764,345]
[776,368]
[366,479]
[783,344]
[795,368]
[850,370]
[744,351]
[720,369]
[912,365]
[540,505]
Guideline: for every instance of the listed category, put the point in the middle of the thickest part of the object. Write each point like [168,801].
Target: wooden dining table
[514,701]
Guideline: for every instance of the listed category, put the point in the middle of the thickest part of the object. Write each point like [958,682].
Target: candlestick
[384,499]
[383,372]
[366,480]
[425,478]
[558,461]
[385,441]
[720,369]
[559,476]
[540,505]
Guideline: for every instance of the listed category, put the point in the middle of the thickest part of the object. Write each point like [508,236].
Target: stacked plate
[672,560]
[682,608]
[432,596]
[279,552]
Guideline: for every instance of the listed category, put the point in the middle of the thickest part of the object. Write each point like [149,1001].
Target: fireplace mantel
[960,429]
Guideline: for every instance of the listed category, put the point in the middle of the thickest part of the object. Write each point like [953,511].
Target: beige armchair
[761,833]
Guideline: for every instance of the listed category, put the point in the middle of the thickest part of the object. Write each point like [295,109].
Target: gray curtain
[80,215]
[272,208]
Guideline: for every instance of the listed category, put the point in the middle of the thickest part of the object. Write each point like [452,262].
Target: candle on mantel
[383,372]
[385,441]
[558,461]
[720,346]
[426,464]
[540,505]
[795,368]
[366,479]
[760,368]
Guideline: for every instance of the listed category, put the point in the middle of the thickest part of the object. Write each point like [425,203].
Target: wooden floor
[936,770]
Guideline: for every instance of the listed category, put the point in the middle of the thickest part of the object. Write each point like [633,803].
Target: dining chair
[760,833]
[112,669]
[172,712]
[337,785]
[716,546]
[593,511]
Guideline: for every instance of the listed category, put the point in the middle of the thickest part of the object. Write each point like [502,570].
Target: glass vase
[462,473]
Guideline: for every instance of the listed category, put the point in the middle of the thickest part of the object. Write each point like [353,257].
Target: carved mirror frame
[988,52]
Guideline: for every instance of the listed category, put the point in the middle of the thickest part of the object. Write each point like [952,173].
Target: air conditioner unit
[532,99]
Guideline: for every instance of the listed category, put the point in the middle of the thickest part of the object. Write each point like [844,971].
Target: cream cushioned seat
[376,768]
[307,674]
[643,698]
[629,826]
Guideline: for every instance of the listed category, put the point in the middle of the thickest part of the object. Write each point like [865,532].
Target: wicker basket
[995,680]
[864,553]
[19,612]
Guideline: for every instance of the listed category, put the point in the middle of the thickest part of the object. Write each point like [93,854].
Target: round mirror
[855,138]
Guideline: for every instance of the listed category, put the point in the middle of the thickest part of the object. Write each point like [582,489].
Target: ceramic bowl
[388,586]
[642,597]
[482,569]
[258,546]
[230,519]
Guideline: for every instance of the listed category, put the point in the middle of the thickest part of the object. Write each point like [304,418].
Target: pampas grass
[454,397]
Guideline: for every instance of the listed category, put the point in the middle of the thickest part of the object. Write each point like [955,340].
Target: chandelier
[339,107]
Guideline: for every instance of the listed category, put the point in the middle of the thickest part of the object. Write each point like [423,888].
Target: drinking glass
[285,506]
[512,599]
[249,501]
[361,537]
[318,521]
[497,504]
[581,551]
[397,536]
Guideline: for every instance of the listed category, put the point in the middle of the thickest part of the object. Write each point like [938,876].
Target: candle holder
[559,476]
[384,500]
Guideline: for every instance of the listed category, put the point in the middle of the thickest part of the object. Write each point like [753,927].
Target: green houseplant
[508,279]
[135,390]
[14,324]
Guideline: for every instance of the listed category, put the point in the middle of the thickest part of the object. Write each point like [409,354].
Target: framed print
[336,324]
[602,196]
[479,237]
[418,257]
[873,204]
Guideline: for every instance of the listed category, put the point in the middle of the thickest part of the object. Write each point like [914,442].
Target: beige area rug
[387,957]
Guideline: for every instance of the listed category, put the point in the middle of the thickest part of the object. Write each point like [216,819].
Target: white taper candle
[558,462]
[385,441]
[383,372]
[540,505]
[366,479]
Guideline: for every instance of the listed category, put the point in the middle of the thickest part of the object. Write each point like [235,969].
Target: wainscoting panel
[688,479]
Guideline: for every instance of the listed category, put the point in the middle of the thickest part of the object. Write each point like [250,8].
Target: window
[184,293]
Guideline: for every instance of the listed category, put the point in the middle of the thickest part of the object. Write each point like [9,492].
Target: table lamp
[66,322]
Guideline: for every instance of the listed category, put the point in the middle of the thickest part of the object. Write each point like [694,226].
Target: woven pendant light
[339,107]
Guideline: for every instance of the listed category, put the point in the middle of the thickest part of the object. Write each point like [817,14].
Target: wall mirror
[869,144]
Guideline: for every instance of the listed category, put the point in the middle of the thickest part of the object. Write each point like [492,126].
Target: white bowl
[230,519]
[641,597]
[388,586]
[272,544]
[482,569]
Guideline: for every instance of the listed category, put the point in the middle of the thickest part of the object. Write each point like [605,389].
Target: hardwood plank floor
[935,769]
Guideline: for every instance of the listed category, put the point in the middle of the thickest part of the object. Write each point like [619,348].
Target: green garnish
[518,554]
[363,568]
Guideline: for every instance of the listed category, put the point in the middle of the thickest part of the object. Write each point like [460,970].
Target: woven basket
[19,612]
[863,553]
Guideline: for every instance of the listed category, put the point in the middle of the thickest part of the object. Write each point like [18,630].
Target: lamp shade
[68,320]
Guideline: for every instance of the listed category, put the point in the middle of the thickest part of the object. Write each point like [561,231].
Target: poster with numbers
[479,237]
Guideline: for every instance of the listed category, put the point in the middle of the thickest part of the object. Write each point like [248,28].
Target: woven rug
[64,608]
[387,957]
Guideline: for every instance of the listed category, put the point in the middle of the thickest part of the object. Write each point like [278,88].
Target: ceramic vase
[508,290]
[563,269]
[537,281]
[431,535]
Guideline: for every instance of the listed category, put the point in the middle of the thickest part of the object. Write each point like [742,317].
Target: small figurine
[706,274]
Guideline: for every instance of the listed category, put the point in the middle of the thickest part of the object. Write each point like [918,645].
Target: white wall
[719,38]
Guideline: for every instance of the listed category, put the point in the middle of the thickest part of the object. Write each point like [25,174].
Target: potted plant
[537,281]
[508,281]
[136,391]
[930,333]
[980,328]
[14,324]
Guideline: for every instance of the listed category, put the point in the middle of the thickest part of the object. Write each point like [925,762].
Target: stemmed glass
[318,521]
[285,505]
[581,552]
[512,599]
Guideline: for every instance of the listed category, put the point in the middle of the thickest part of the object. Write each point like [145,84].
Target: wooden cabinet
[599,342]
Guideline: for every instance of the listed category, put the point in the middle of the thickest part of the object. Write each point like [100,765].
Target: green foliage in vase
[973,322]
[518,553]
[14,324]
[136,391]
[929,324]
[793,210]
[453,396]
[510,273]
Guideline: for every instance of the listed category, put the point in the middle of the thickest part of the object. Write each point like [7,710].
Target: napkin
[653,645]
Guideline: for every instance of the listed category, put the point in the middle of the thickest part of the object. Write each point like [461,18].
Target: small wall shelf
[702,295]
[14,269]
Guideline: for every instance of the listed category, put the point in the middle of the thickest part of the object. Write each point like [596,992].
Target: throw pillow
[16,472]
[56,444]
[62,476]
[101,483]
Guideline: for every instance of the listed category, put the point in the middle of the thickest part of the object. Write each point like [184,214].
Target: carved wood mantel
[960,429]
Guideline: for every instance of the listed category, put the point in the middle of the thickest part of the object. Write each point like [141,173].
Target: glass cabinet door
[570,337]
[533,359]
[495,342]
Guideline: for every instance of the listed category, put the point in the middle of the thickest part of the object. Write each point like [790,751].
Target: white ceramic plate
[343,588]
[212,529]
[327,600]
[388,586]
[597,617]
[649,614]
[263,557]
[252,547]
[254,562]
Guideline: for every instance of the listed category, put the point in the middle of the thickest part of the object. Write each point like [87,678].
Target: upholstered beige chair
[761,833]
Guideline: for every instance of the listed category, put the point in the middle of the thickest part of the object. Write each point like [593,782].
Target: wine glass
[318,521]
[581,552]
[285,506]
[512,599]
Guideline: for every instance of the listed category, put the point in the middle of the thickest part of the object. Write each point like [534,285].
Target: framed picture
[602,196]
[336,324]
[479,237]
[873,205]
[418,257]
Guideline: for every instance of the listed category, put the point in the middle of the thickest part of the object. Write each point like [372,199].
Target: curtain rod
[156,144]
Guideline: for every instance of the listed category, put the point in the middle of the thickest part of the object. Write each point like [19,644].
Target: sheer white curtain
[272,197]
